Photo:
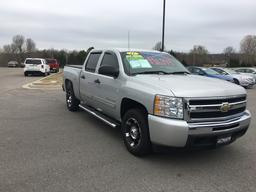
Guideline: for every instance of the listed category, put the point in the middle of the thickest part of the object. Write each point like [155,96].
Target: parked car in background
[54,65]
[36,66]
[207,72]
[13,64]
[240,79]
[249,71]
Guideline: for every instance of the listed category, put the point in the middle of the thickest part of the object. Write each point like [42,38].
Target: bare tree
[158,46]
[248,45]
[229,51]
[248,48]
[199,49]
[199,54]
[7,49]
[18,43]
[30,45]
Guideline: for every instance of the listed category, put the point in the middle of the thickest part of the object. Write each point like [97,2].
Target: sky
[79,24]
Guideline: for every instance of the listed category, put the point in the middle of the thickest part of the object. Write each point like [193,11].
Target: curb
[38,84]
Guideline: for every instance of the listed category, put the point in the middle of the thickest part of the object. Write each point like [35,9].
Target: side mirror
[109,71]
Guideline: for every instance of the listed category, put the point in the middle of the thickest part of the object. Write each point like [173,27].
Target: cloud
[79,24]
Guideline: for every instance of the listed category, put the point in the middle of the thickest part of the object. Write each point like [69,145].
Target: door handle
[97,81]
[82,77]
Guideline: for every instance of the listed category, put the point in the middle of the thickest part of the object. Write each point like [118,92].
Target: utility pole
[129,40]
[163,30]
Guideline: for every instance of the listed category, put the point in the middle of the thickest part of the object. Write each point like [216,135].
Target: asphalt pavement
[44,147]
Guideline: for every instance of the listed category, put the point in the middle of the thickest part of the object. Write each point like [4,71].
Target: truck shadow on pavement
[162,154]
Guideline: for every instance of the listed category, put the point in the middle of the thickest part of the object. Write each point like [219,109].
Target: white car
[247,71]
[13,64]
[240,79]
[36,66]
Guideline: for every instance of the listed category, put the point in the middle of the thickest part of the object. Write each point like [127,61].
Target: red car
[54,65]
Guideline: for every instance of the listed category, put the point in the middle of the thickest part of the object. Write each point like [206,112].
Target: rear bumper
[178,133]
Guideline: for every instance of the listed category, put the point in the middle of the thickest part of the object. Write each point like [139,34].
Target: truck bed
[75,66]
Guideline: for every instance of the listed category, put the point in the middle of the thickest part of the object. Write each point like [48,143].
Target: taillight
[42,66]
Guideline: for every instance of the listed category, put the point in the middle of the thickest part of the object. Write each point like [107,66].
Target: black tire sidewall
[236,81]
[74,101]
[144,147]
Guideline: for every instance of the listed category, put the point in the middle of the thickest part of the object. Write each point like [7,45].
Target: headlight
[166,106]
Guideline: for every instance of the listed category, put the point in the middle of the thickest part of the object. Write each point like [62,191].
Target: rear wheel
[71,100]
[135,132]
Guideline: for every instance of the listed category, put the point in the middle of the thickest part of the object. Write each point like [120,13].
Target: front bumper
[247,84]
[179,133]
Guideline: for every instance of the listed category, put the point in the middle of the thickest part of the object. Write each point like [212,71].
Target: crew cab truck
[155,100]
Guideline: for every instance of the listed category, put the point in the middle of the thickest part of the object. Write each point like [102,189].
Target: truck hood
[191,85]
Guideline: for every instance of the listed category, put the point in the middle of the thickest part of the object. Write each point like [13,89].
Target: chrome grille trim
[192,112]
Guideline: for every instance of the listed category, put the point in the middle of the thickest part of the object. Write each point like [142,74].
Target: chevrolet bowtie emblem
[225,107]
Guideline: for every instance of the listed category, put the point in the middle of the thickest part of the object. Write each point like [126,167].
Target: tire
[135,132]
[25,74]
[71,100]
[236,82]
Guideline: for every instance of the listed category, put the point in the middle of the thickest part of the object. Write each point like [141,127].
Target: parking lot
[44,147]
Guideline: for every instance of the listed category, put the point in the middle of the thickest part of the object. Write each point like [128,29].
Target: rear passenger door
[87,77]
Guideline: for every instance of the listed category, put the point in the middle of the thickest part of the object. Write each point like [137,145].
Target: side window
[92,62]
[220,71]
[110,60]
[196,71]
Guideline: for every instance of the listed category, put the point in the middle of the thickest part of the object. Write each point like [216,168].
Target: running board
[101,117]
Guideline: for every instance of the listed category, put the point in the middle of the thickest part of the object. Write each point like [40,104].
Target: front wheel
[236,81]
[135,132]
[71,100]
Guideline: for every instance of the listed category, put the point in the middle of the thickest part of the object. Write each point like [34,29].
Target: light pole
[163,26]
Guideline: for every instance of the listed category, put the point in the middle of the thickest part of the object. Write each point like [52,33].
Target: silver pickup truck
[154,100]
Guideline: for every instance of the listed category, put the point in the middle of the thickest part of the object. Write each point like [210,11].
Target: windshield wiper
[151,72]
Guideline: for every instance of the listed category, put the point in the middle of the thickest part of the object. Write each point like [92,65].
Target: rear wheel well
[128,104]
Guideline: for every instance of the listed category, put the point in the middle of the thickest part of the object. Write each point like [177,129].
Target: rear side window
[33,61]
[92,62]
[110,60]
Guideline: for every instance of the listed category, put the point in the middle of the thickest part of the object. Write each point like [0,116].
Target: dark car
[209,73]
[54,65]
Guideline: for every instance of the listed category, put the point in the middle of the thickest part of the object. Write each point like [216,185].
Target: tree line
[21,48]
[199,55]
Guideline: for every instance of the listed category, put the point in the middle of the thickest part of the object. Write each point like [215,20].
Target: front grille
[216,113]
[212,109]
[216,101]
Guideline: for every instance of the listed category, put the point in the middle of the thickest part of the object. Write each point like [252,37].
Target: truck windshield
[151,63]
